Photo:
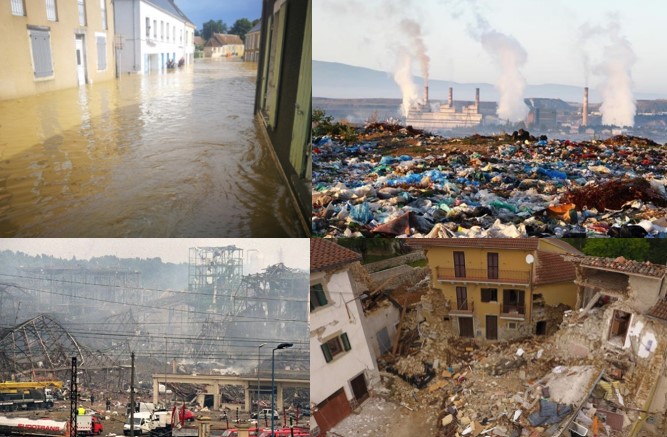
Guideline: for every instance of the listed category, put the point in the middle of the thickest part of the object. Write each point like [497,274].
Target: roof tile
[325,255]
[551,267]
[659,310]
[621,264]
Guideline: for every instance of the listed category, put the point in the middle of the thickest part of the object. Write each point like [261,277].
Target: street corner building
[283,94]
[343,369]
[502,288]
[55,44]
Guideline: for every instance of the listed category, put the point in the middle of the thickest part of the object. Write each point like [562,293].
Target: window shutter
[101,53]
[326,352]
[41,52]
[321,296]
[346,342]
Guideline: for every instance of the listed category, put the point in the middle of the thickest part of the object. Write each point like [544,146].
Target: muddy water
[171,154]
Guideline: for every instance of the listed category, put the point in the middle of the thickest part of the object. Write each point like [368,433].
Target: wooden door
[492,327]
[465,327]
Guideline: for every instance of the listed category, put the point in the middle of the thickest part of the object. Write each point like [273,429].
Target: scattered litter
[404,182]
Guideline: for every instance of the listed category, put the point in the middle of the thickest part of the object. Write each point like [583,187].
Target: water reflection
[173,154]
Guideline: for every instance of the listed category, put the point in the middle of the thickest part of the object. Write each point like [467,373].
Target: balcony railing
[513,310]
[465,307]
[482,275]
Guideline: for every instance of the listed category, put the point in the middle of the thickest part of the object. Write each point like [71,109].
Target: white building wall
[167,37]
[334,319]
[387,316]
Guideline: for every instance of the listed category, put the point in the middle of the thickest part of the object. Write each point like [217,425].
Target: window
[40,41]
[512,325]
[103,9]
[173,33]
[51,12]
[462,298]
[162,30]
[18,8]
[155,29]
[335,346]
[492,265]
[513,302]
[181,34]
[101,52]
[489,295]
[459,265]
[318,297]
[82,12]
[148,27]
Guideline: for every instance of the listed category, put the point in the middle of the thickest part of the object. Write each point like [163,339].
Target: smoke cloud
[510,56]
[413,31]
[618,105]
[403,77]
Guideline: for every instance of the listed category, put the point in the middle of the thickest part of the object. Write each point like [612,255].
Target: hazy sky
[367,33]
[200,11]
[295,251]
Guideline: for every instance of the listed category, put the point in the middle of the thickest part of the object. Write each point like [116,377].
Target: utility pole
[74,395]
[132,398]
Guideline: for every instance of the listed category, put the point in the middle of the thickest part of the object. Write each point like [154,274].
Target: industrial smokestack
[450,99]
[584,110]
[426,93]
[477,98]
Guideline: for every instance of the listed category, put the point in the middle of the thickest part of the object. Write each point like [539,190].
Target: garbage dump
[393,181]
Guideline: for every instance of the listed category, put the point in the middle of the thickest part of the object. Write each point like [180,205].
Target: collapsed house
[501,289]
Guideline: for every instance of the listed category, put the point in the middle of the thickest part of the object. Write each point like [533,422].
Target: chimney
[584,110]
[450,100]
[426,94]
[477,99]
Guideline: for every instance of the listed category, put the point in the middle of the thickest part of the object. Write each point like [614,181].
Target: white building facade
[150,33]
[342,367]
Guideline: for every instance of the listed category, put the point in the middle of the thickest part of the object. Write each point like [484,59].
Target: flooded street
[171,154]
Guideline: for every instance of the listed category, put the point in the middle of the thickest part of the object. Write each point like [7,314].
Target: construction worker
[81,411]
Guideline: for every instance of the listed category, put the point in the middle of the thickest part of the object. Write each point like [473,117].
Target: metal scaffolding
[215,273]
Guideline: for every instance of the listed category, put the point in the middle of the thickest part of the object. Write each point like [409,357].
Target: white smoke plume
[510,56]
[403,77]
[618,105]
[413,31]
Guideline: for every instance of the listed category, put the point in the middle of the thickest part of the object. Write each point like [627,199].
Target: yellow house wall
[559,293]
[17,76]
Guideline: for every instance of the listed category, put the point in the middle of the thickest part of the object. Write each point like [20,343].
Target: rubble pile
[395,181]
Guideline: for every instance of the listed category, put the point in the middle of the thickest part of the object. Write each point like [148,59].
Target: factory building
[423,116]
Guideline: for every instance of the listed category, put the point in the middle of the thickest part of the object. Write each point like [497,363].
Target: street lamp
[273,378]
[259,348]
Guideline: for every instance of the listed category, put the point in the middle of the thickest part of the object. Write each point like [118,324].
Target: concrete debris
[400,182]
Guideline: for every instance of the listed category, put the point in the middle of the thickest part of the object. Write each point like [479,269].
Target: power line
[152,307]
[130,288]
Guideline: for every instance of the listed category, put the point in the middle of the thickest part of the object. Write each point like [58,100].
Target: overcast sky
[295,251]
[366,33]
[200,11]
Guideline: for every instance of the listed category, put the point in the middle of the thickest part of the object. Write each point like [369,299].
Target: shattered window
[318,297]
[335,346]
[459,265]
[489,295]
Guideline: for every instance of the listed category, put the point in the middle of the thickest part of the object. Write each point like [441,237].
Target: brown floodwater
[160,155]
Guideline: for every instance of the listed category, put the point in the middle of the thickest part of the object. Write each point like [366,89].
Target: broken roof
[621,265]
[326,255]
[491,243]
[551,267]
[659,310]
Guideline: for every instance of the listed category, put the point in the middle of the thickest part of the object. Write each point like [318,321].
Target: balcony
[482,276]
[464,309]
[513,311]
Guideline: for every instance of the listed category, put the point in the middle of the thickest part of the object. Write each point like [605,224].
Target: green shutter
[346,342]
[326,352]
[302,111]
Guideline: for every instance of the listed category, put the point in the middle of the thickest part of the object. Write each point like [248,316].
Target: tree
[630,248]
[241,27]
[211,27]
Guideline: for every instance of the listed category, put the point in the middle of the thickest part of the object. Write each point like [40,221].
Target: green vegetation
[323,124]
[375,249]
[211,27]
[241,27]
[638,249]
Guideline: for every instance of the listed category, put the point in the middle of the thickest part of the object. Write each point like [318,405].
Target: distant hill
[335,80]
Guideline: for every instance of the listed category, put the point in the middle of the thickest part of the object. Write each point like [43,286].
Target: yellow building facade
[500,289]
[55,44]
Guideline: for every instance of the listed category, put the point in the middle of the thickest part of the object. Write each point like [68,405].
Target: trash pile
[394,181]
